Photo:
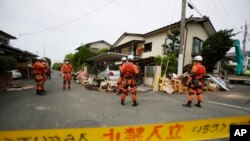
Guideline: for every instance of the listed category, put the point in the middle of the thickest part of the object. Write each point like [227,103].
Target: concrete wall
[151,80]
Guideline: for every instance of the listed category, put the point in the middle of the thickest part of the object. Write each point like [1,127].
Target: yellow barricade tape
[183,131]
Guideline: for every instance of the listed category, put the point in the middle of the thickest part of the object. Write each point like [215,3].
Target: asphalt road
[82,108]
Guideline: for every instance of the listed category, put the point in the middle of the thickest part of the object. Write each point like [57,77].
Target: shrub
[57,66]
[172,64]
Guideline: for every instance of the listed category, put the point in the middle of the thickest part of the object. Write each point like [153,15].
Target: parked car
[15,74]
[111,72]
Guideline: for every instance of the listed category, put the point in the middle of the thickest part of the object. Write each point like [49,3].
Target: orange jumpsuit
[45,70]
[129,72]
[119,81]
[197,75]
[39,71]
[67,70]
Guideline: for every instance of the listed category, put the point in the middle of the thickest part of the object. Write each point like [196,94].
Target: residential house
[97,45]
[197,30]
[5,38]
[24,58]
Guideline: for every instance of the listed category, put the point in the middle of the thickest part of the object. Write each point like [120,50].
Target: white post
[182,30]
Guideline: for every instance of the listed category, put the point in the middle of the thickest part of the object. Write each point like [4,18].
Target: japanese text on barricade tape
[186,130]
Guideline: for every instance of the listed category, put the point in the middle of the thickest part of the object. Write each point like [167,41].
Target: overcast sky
[57,27]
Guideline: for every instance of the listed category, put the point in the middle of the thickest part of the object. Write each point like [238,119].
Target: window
[197,46]
[148,47]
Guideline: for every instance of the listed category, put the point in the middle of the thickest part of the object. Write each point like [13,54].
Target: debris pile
[179,84]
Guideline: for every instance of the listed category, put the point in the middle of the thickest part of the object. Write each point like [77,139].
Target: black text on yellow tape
[187,130]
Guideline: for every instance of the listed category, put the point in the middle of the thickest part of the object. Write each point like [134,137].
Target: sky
[54,28]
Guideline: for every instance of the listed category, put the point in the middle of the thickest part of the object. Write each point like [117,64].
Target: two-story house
[97,45]
[24,58]
[197,30]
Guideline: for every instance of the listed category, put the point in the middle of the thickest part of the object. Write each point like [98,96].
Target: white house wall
[194,30]
[128,38]
[157,41]
[99,46]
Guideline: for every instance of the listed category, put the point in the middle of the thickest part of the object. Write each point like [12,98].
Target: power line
[195,8]
[71,21]
[207,4]
[16,40]
[225,11]
[227,14]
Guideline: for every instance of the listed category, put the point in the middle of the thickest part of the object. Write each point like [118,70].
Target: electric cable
[69,22]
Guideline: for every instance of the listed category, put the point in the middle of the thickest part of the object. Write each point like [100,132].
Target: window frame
[196,49]
[148,47]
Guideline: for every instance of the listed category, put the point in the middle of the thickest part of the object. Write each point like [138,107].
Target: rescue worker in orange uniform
[195,82]
[44,62]
[119,81]
[129,72]
[39,73]
[67,70]
[48,71]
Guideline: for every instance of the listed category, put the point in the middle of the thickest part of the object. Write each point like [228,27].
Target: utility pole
[244,40]
[43,51]
[244,45]
[182,30]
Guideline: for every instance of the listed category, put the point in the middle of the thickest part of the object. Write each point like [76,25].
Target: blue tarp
[239,57]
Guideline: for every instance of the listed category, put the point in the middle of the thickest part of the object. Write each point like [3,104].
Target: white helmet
[198,58]
[123,59]
[131,57]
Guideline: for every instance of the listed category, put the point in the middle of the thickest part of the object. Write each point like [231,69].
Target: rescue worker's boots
[119,92]
[68,87]
[135,103]
[63,88]
[43,91]
[122,102]
[188,104]
[38,92]
[198,104]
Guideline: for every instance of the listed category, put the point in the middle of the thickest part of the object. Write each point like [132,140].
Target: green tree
[172,64]
[171,56]
[173,37]
[215,47]
[48,60]
[102,50]
[81,57]
[70,56]
[57,66]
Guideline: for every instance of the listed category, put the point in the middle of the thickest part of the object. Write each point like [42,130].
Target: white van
[111,72]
